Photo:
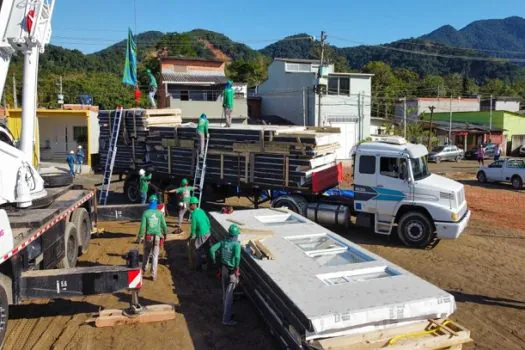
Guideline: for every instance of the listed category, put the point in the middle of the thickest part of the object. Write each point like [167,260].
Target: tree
[432,85]
[497,87]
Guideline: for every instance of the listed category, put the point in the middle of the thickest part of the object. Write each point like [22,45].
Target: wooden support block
[255,250]
[152,313]
[263,249]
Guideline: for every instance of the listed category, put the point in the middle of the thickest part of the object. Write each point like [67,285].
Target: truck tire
[415,230]
[82,222]
[482,178]
[71,247]
[131,190]
[517,183]
[5,295]
[295,203]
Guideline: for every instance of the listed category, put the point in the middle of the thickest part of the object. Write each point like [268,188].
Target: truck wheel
[71,247]
[438,160]
[82,222]
[517,183]
[415,230]
[295,203]
[131,189]
[482,178]
[458,159]
[5,294]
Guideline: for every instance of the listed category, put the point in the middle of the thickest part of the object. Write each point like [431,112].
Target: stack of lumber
[134,129]
[259,155]
[318,285]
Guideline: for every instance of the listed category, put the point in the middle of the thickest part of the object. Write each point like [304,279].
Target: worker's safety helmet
[72,152]
[229,84]
[153,198]
[194,200]
[148,70]
[142,172]
[79,146]
[204,116]
[184,182]
[234,230]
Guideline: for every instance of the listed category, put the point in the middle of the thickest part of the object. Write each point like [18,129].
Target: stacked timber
[259,155]
[311,284]
[134,129]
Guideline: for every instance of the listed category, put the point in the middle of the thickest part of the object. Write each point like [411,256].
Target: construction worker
[80,159]
[202,132]
[71,159]
[154,227]
[227,102]
[230,249]
[185,190]
[143,185]
[152,88]
[200,231]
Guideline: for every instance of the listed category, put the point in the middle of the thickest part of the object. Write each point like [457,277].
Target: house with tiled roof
[195,85]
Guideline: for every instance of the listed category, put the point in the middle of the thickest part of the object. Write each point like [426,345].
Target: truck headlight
[454,216]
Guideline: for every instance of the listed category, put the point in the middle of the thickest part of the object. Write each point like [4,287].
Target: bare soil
[483,269]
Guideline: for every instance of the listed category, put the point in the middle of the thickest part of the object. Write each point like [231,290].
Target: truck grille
[461,196]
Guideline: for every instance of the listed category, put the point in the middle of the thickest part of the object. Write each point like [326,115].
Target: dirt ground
[483,269]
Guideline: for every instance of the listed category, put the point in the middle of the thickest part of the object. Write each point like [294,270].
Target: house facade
[417,106]
[289,93]
[196,86]
[501,104]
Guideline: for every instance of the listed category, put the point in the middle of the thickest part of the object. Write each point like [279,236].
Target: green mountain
[499,35]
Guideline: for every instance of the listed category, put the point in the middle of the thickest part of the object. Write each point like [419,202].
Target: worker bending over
[202,132]
[185,191]
[154,227]
[230,249]
[200,232]
[143,185]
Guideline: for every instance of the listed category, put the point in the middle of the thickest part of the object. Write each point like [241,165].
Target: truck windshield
[419,168]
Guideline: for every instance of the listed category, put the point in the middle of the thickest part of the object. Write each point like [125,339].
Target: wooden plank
[263,249]
[255,250]
[274,147]
[247,230]
[151,313]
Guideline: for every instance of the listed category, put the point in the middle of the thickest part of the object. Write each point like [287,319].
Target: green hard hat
[194,200]
[234,230]
[184,182]
[153,198]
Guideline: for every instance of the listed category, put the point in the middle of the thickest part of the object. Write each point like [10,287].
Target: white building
[417,106]
[289,93]
[501,104]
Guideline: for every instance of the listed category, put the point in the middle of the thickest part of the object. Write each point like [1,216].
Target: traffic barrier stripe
[135,279]
[44,228]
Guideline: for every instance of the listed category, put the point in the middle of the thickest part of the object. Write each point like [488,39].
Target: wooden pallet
[430,334]
[151,313]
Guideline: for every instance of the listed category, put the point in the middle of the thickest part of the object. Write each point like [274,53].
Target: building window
[298,68]
[367,164]
[184,95]
[80,134]
[339,86]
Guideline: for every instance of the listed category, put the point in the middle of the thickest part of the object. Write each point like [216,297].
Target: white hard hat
[142,172]
[79,146]
[72,152]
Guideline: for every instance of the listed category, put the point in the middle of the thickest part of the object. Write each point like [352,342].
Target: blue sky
[92,25]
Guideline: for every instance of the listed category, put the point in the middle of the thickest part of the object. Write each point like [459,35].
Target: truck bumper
[452,230]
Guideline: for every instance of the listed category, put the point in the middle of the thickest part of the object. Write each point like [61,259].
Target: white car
[504,170]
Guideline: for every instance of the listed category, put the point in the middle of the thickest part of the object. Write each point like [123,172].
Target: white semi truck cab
[393,187]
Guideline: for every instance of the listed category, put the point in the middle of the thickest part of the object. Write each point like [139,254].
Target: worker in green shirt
[152,88]
[185,191]
[202,133]
[200,232]
[230,249]
[227,102]
[143,185]
[153,225]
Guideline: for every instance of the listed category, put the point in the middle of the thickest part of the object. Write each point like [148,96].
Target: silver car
[440,153]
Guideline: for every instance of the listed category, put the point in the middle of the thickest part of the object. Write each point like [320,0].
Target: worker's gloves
[139,240]
[237,272]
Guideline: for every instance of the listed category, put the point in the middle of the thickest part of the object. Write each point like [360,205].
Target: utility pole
[490,118]
[304,106]
[405,117]
[450,123]
[359,121]
[319,90]
[430,131]
[15,100]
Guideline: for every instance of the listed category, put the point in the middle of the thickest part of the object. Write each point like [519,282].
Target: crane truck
[43,230]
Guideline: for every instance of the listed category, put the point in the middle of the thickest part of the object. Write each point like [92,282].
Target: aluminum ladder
[200,173]
[110,159]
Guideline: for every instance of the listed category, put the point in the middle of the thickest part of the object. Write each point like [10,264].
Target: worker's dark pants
[71,169]
[201,250]
[151,247]
[143,196]
[229,283]
[80,161]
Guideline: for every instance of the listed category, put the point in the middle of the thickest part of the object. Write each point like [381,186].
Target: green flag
[130,68]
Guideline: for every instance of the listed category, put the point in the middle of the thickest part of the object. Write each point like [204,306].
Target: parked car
[440,153]
[504,170]
[490,150]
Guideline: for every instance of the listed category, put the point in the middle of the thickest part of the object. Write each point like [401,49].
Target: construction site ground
[483,269]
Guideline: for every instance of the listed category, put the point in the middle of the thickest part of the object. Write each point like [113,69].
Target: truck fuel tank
[329,214]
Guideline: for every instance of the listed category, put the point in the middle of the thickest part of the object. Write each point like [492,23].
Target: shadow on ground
[485,300]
